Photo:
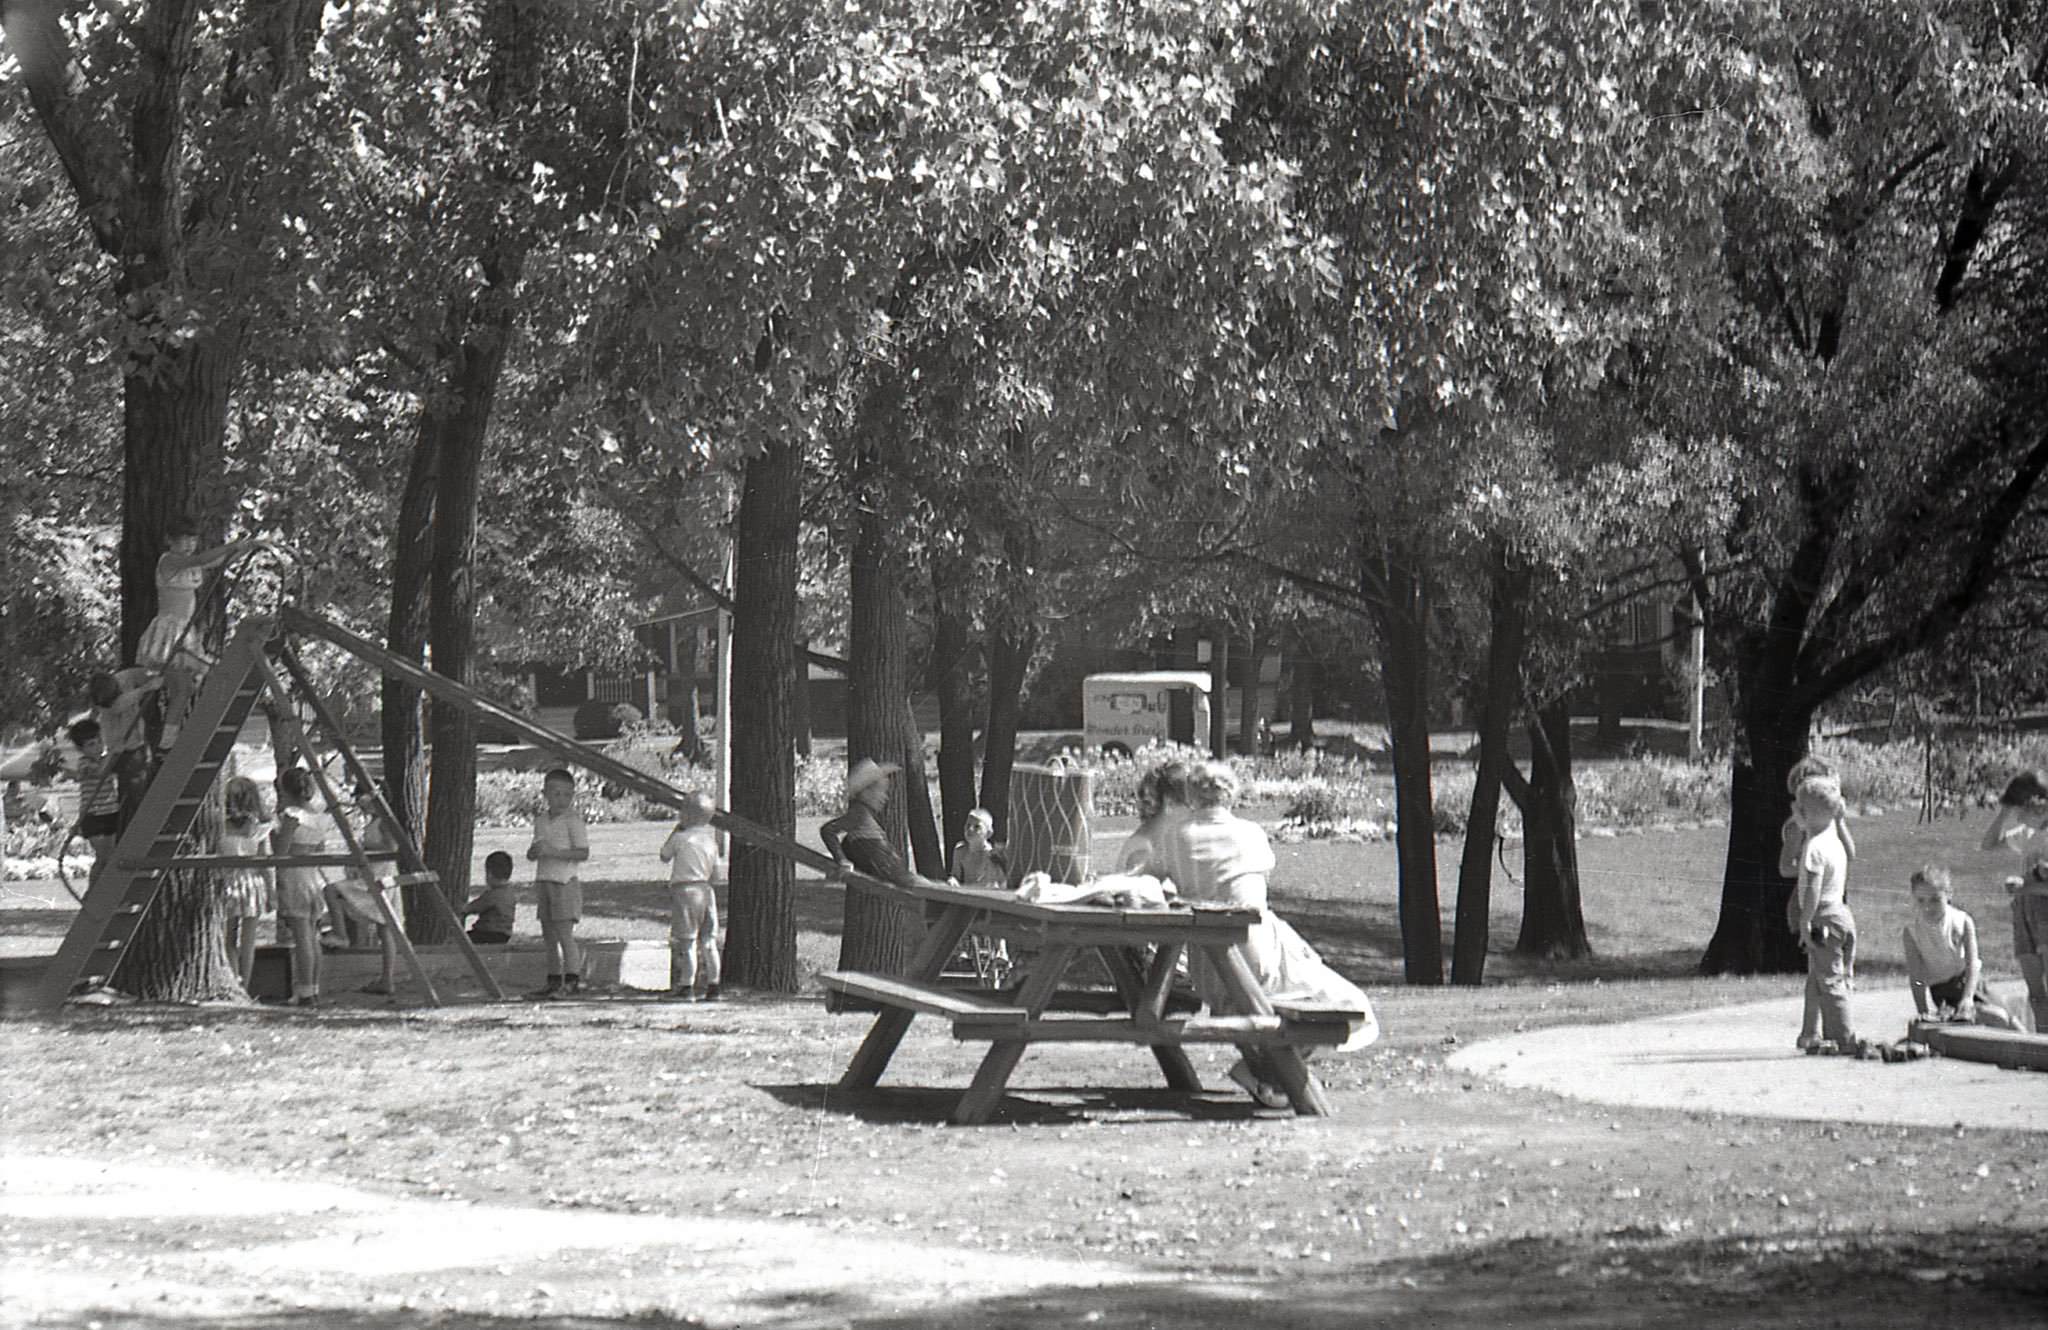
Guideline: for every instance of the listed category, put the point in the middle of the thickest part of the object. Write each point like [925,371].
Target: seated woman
[1217,857]
[1162,801]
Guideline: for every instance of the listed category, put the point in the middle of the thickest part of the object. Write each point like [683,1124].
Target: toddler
[560,842]
[1825,927]
[99,794]
[1941,956]
[694,864]
[301,891]
[976,862]
[495,906]
[247,890]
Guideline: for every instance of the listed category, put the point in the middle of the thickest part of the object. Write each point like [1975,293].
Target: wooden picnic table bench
[1036,1008]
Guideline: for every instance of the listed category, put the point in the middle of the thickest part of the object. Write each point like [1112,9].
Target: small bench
[1276,1031]
[887,990]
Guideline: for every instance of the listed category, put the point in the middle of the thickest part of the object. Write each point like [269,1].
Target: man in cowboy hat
[856,836]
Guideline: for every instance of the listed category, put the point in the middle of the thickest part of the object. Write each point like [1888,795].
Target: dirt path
[1741,1060]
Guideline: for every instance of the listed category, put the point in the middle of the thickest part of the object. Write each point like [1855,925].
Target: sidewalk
[1741,1060]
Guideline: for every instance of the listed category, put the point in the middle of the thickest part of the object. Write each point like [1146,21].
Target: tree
[1883,263]
[172,148]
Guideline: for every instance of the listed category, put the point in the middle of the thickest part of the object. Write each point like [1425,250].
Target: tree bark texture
[1301,698]
[1402,621]
[952,682]
[686,698]
[1751,937]
[1009,663]
[878,935]
[1251,706]
[767,673]
[1553,917]
[172,432]
[1509,616]
[174,413]
[400,713]
[472,361]
[474,370]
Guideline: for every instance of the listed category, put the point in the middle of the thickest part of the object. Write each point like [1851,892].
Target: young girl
[166,645]
[301,897]
[2022,817]
[248,890]
[1791,840]
[1162,803]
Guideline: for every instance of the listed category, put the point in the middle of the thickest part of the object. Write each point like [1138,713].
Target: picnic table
[1140,949]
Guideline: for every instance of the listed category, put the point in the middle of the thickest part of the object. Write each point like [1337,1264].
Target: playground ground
[623,1162]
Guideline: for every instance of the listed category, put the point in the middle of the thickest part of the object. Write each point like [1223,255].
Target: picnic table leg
[871,1059]
[1286,1063]
[1172,1058]
[979,1103]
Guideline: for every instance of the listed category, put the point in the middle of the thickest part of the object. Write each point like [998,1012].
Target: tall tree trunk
[175,415]
[951,680]
[482,322]
[1219,694]
[1750,936]
[927,854]
[686,698]
[1509,615]
[1251,708]
[767,674]
[405,634]
[879,936]
[1553,917]
[1403,624]
[1301,698]
[474,373]
[1009,664]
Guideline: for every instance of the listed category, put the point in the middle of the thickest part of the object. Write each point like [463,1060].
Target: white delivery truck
[1123,712]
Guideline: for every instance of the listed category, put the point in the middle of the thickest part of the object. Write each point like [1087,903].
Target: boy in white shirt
[694,864]
[1826,929]
[1941,957]
[560,842]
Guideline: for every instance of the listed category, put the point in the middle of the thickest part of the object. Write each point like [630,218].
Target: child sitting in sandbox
[1941,957]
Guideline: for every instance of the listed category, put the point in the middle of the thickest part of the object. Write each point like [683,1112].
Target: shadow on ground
[1032,1105]
[1988,1280]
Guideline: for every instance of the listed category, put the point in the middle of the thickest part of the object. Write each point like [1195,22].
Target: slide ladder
[148,847]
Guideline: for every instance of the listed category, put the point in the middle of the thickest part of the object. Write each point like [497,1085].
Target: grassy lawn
[1454,1198]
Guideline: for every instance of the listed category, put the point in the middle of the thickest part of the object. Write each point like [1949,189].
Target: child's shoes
[711,993]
